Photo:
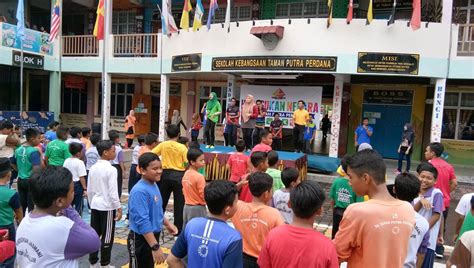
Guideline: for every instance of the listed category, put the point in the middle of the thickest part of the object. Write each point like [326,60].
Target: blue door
[387,122]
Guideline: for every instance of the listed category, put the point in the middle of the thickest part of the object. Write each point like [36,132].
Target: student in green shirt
[57,151]
[213,110]
[27,159]
[468,223]
[342,196]
[273,170]
[9,206]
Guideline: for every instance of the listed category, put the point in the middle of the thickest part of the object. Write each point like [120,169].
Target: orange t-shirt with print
[193,188]
[143,149]
[254,222]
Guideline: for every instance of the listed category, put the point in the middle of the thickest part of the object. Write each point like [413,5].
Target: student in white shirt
[117,162]
[407,187]
[53,234]
[102,193]
[78,170]
[463,207]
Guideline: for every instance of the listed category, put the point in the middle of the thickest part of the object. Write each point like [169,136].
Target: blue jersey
[309,131]
[145,208]
[209,243]
[362,136]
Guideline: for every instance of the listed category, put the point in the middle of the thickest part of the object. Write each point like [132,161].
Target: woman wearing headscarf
[213,110]
[130,122]
[249,113]
[177,120]
[406,147]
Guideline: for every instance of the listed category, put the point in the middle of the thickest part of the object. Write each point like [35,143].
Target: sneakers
[211,147]
[207,146]
[396,172]
[438,255]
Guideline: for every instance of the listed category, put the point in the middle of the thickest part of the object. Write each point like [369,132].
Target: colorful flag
[20,17]
[184,24]
[55,22]
[167,21]
[99,21]
[198,15]
[370,14]
[415,21]
[212,11]
[392,16]
[330,13]
[350,12]
[227,15]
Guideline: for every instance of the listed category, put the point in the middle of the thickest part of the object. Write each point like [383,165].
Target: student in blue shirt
[309,135]
[146,215]
[363,133]
[210,242]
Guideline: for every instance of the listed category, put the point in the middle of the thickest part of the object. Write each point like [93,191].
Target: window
[237,13]
[123,22]
[120,99]
[315,9]
[458,116]
[221,95]
[74,101]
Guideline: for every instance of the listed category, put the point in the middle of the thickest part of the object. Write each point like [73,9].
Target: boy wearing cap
[9,206]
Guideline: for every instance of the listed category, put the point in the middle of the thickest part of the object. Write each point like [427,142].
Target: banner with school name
[34,41]
[284,101]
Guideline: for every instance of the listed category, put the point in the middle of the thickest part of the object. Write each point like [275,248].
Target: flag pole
[60,42]
[105,80]
[21,85]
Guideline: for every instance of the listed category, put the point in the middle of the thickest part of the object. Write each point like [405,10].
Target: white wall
[301,38]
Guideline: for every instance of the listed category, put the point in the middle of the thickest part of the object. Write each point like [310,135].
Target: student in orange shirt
[373,233]
[86,137]
[255,220]
[193,187]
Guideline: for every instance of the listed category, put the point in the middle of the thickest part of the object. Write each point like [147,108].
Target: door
[142,106]
[155,113]
[174,104]
[387,122]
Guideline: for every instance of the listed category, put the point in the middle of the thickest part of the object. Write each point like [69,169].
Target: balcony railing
[80,46]
[136,45]
[466,40]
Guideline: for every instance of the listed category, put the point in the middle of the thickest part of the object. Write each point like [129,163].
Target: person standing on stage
[249,114]
[259,122]
[363,133]
[232,118]
[300,117]
[213,110]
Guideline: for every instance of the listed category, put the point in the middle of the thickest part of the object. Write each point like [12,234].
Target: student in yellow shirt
[300,117]
[173,159]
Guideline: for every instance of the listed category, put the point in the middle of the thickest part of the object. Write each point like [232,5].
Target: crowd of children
[271,208]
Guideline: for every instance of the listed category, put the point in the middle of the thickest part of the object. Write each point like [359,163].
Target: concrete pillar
[447,11]
[438,107]
[90,101]
[230,88]
[191,102]
[54,94]
[164,105]
[336,115]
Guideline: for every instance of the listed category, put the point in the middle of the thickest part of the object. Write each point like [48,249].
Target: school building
[387,72]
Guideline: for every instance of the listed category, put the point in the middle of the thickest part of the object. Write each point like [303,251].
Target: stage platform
[216,160]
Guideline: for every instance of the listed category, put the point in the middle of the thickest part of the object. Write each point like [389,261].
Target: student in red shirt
[287,245]
[238,163]
[446,180]
[266,142]
[259,162]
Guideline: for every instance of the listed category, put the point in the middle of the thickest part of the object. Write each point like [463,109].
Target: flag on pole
[392,16]
[167,21]
[212,11]
[20,17]
[370,14]
[330,13]
[55,22]
[227,15]
[99,21]
[184,24]
[198,15]
[415,21]
[350,12]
